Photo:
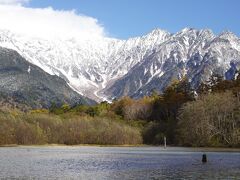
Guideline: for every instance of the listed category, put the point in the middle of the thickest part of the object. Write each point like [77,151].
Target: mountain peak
[93,67]
[158,31]
[187,29]
[190,30]
[227,35]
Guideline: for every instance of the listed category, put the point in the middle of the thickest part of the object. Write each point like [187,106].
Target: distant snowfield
[93,66]
[86,64]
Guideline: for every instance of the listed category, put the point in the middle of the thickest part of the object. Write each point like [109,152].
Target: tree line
[209,116]
[44,127]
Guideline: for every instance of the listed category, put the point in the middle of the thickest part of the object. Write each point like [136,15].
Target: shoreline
[193,149]
[77,145]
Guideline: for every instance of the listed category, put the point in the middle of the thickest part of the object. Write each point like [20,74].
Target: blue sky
[129,18]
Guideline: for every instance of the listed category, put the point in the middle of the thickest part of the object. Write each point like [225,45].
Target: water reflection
[116,163]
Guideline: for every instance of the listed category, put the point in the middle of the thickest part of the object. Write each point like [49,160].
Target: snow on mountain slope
[191,53]
[25,85]
[87,65]
[106,68]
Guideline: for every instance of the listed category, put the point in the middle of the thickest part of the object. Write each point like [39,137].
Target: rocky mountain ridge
[25,85]
[107,68]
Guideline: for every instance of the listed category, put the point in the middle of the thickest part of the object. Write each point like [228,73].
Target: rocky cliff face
[24,83]
[110,68]
[191,53]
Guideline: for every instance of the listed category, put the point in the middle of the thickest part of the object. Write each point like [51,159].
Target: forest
[208,117]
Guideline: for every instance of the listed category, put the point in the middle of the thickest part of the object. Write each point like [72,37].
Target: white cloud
[48,23]
[13,1]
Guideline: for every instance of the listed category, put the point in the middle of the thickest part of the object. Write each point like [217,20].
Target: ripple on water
[116,163]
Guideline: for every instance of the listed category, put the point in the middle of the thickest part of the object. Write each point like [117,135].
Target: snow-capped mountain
[25,85]
[106,68]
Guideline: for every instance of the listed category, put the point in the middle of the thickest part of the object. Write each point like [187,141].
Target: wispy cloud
[47,22]
[13,1]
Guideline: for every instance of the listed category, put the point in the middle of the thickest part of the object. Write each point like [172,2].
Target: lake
[89,162]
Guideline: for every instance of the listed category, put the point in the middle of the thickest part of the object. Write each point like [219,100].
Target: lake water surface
[80,162]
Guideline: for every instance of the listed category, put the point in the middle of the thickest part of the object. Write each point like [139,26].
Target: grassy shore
[170,148]
[77,145]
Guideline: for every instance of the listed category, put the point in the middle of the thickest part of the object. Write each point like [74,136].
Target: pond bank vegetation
[208,117]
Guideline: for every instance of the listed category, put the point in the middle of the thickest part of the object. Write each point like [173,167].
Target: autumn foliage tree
[213,119]
[165,110]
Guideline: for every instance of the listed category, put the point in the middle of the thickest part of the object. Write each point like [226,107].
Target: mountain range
[107,68]
[25,85]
